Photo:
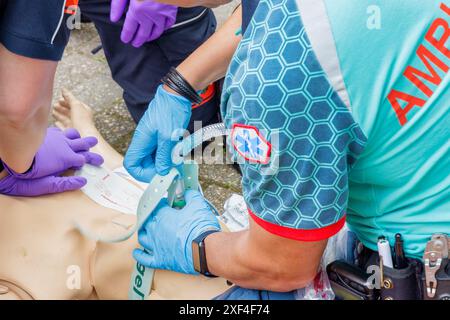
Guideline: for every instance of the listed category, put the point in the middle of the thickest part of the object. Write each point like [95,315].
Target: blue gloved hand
[168,234]
[160,128]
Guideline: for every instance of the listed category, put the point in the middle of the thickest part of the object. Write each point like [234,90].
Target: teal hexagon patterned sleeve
[292,135]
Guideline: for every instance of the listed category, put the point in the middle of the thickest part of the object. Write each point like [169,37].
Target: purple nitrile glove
[145,21]
[59,152]
[14,186]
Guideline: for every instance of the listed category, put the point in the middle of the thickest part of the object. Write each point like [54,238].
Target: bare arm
[210,61]
[25,97]
[257,259]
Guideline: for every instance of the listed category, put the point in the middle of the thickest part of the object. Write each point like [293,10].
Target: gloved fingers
[163,160]
[196,199]
[144,240]
[92,158]
[139,159]
[82,144]
[117,9]
[76,161]
[144,258]
[171,16]
[142,34]
[62,184]
[193,195]
[152,219]
[148,168]
[129,29]
[156,32]
[142,170]
[48,185]
[72,133]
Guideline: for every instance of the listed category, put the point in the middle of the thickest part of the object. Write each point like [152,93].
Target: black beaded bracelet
[175,81]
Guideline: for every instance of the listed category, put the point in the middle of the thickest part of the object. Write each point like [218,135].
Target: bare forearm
[229,256]
[255,259]
[210,61]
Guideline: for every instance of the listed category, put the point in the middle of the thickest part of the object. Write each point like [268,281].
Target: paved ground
[89,78]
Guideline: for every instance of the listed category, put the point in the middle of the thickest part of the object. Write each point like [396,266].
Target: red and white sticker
[250,144]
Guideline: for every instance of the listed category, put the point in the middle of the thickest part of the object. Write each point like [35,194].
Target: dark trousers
[139,70]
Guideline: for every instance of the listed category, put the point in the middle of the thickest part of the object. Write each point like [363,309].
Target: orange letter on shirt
[413,74]
[393,98]
[439,43]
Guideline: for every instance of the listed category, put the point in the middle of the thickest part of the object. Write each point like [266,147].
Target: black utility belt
[426,279]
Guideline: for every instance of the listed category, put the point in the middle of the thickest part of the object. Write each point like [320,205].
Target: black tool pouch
[397,284]
[400,284]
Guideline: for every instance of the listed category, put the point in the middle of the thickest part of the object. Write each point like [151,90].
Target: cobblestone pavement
[89,78]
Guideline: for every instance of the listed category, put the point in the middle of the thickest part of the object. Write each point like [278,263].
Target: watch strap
[200,240]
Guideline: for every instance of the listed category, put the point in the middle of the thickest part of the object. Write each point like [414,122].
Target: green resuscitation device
[174,184]
[179,200]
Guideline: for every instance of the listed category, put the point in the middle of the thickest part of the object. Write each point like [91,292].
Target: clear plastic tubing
[191,142]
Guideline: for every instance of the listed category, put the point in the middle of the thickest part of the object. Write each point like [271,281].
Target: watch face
[196,256]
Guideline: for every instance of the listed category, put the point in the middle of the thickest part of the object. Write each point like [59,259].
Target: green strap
[142,277]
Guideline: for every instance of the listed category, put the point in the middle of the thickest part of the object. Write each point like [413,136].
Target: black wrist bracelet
[175,81]
[1,165]
[176,88]
[179,88]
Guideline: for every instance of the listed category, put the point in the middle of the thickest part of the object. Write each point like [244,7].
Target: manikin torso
[44,256]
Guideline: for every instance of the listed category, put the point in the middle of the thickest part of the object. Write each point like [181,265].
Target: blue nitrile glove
[168,234]
[150,151]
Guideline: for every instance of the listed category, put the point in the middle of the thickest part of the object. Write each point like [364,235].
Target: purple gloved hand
[145,21]
[13,186]
[59,152]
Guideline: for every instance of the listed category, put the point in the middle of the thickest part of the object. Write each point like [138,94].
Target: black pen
[400,260]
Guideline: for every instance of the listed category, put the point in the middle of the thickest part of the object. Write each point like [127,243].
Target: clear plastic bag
[235,215]
[318,289]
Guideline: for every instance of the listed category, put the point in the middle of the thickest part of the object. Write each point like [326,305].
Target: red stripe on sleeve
[299,234]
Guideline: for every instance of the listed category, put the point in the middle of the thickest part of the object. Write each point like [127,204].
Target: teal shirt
[309,161]
[401,182]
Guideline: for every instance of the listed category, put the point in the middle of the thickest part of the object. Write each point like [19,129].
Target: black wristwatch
[199,254]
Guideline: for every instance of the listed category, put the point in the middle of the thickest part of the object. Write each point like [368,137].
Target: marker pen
[384,250]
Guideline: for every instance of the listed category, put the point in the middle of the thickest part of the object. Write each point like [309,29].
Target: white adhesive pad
[112,189]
